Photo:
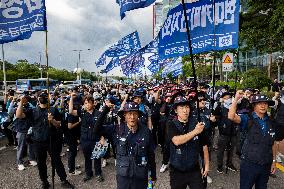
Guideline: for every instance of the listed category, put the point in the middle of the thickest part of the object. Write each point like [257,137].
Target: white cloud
[83,24]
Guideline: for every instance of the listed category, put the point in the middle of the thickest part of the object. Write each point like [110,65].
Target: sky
[81,25]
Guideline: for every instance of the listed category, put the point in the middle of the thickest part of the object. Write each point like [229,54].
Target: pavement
[11,178]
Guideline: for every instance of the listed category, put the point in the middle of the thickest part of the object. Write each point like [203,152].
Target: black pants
[54,150]
[131,183]
[223,144]
[72,143]
[180,180]
[88,147]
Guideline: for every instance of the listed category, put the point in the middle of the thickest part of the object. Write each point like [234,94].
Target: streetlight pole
[79,60]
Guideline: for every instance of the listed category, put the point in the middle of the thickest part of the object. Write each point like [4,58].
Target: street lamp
[77,67]
[40,69]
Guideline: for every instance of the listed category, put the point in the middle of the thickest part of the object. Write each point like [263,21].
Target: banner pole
[191,59]
[4,69]
[214,62]
[48,106]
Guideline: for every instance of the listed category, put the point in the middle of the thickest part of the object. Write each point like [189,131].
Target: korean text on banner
[19,19]
[173,39]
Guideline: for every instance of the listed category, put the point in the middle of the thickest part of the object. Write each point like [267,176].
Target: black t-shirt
[173,131]
[76,130]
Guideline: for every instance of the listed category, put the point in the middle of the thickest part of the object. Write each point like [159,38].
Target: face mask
[43,100]
[227,103]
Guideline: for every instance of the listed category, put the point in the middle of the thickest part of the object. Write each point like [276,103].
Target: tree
[256,78]
[262,26]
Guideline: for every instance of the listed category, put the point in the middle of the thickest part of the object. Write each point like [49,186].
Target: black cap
[262,98]
[180,100]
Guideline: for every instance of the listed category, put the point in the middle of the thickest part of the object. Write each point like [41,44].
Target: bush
[256,78]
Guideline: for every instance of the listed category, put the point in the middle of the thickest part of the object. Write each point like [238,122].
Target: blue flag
[125,46]
[19,19]
[132,63]
[173,38]
[151,47]
[127,5]
[173,66]
[112,64]
[101,61]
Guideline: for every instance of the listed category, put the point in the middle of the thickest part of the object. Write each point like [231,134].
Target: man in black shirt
[46,135]
[184,148]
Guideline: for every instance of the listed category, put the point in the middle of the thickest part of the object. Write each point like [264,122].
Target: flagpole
[191,59]
[4,69]
[214,62]
[48,105]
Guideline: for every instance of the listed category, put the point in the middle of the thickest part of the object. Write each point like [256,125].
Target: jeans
[254,174]
[223,144]
[88,147]
[22,148]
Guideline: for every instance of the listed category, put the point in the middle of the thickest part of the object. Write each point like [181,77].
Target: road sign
[228,60]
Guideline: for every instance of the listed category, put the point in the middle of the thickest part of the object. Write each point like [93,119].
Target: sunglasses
[202,99]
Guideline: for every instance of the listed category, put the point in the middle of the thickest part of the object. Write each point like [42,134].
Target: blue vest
[184,157]
[257,148]
[133,165]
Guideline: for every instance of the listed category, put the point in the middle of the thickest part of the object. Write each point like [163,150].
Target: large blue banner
[19,18]
[101,61]
[204,36]
[127,5]
[132,63]
[173,66]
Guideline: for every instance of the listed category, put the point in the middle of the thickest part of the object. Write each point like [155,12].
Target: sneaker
[33,163]
[279,158]
[164,168]
[220,170]
[209,180]
[232,168]
[21,167]
[45,185]
[66,184]
[15,147]
[104,164]
[100,178]
[87,178]
[75,173]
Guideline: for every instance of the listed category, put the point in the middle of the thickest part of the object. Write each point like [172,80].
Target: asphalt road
[11,178]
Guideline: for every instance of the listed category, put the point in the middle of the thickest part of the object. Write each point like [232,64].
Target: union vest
[132,165]
[257,148]
[184,157]
[40,127]
[87,126]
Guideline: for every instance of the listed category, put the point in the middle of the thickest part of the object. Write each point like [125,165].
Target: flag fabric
[204,36]
[112,64]
[101,61]
[128,5]
[151,47]
[154,65]
[19,19]
[132,63]
[125,46]
[173,66]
